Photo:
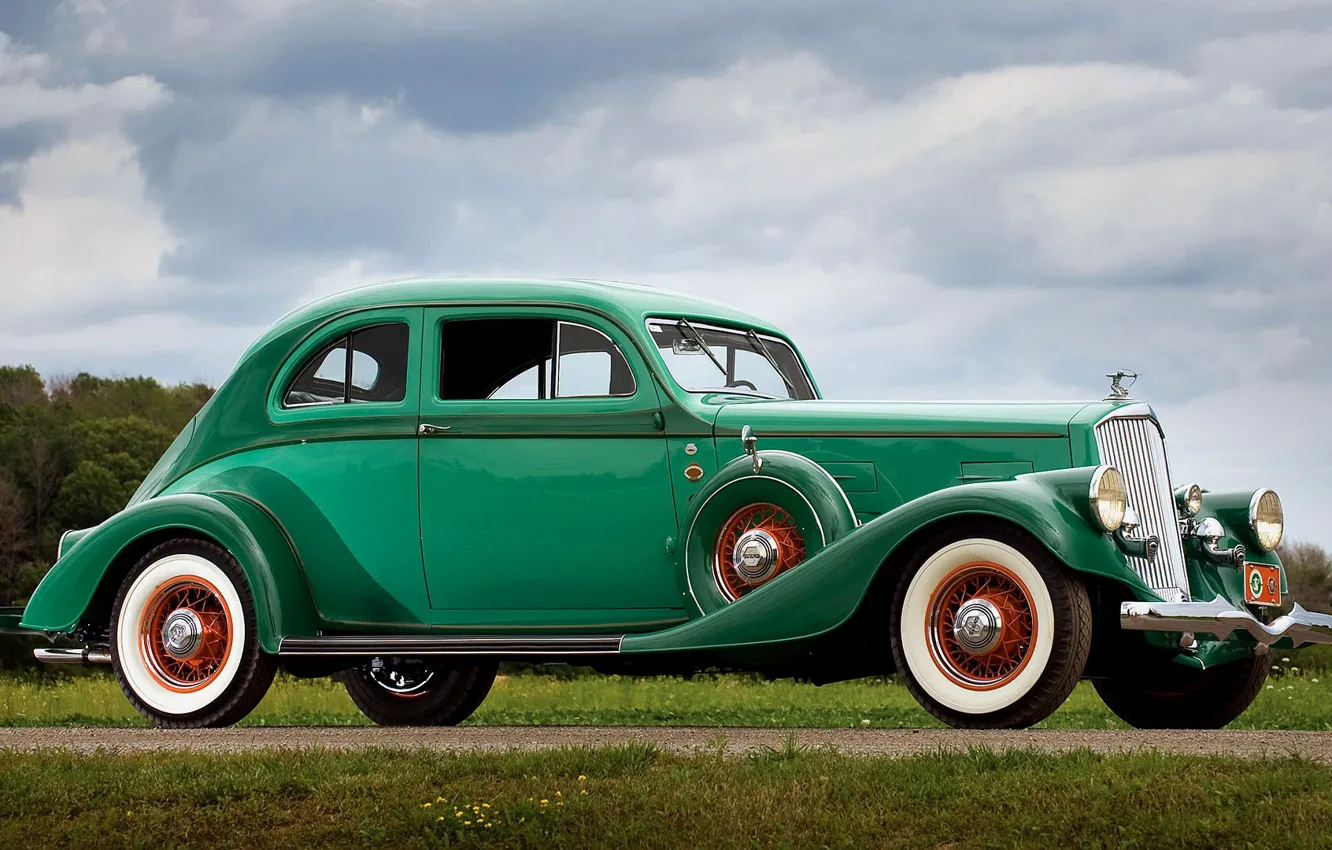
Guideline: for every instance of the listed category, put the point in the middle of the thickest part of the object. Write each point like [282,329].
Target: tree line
[72,452]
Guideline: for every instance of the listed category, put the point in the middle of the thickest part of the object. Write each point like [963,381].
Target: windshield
[708,359]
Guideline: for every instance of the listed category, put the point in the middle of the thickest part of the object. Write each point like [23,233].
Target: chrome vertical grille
[1134,446]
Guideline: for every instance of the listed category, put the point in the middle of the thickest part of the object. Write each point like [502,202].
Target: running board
[326,646]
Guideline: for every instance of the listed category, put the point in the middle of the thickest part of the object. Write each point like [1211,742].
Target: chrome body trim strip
[1222,619]
[413,645]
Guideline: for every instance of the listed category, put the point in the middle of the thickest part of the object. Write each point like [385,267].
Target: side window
[379,363]
[496,358]
[323,380]
[375,371]
[514,359]
[590,364]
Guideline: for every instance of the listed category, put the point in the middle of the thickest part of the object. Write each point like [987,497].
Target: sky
[944,199]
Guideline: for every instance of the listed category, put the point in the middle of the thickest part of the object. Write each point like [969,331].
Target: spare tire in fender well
[795,483]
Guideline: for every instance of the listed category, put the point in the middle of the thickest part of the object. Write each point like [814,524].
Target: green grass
[1294,701]
[640,797]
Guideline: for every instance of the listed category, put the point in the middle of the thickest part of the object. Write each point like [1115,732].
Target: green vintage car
[405,484]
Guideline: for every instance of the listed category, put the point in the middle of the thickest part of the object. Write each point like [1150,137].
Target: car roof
[628,303]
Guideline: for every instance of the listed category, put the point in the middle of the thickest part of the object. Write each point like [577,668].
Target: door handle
[428,430]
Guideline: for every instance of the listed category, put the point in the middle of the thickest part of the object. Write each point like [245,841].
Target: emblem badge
[1255,584]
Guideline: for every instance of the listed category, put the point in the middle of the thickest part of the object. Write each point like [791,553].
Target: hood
[900,418]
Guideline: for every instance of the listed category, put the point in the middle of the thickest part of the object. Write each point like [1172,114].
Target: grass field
[1293,701]
[639,797]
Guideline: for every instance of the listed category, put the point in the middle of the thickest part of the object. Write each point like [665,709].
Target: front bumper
[1220,618]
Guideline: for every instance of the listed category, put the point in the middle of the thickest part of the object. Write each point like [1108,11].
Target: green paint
[575,515]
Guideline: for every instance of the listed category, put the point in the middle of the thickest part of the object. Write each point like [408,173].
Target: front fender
[281,595]
[824,592]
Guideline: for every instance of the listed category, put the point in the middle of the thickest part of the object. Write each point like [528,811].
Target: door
[545,491]
[340,471]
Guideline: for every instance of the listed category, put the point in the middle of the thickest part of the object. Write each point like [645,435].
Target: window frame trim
[347,339]
[559,322]
[325,333]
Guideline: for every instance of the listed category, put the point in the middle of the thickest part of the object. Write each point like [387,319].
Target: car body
[415,480]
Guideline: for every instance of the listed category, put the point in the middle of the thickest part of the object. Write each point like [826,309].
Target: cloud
[937,199]
[79,237]
[83,238]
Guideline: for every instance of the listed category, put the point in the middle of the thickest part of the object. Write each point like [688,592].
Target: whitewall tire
[988,631]
[184,642]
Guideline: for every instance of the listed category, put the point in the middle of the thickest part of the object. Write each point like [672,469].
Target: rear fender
[91,568]
[823,593]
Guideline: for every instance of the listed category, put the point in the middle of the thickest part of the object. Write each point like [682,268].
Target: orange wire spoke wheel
[981,626]
[758,543]
[185,634]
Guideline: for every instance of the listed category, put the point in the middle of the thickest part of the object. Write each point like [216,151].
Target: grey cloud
[939,199]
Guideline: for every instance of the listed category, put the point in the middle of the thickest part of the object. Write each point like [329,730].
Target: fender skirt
[824,592]
[281,594]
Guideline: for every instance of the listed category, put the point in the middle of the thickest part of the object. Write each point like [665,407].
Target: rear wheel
[1152,692]
[989,632]
[411,692]
[184,638]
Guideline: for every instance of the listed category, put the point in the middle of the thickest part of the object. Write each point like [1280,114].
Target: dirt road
[734,741]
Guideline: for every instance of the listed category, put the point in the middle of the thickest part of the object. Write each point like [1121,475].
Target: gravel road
[890,742]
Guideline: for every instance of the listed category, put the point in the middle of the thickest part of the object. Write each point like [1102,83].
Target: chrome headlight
[1109,498]
[1189,499]
[1267,519]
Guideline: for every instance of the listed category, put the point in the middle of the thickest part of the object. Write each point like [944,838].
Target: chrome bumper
[1220,618]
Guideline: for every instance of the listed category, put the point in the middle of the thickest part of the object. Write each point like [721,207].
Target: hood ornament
[1118,390]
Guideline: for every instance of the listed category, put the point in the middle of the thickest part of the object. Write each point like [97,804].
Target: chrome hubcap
[978,626]
[182,633]
[405,679]
[756,555]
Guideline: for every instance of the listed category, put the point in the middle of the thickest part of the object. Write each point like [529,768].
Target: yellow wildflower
[426,805]
[467,823]
[582,778]
[544,802]
[559,794]
[487,826]
[485,805]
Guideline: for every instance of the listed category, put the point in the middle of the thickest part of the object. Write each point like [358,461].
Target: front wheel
[410,692]
[185,640]
[988,631]
[1152,692]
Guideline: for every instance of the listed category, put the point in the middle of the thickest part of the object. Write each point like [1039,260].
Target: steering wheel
[740,383]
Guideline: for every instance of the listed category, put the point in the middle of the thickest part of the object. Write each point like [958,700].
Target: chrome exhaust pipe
[86,655]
